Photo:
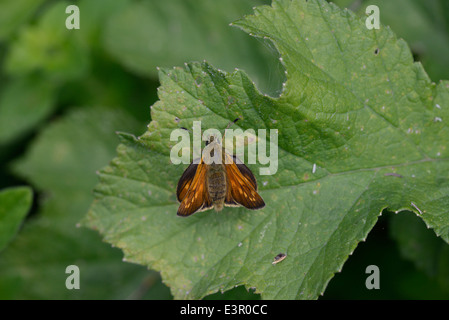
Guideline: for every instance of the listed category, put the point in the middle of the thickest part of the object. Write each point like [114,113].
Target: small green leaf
[150,34]
[424,25]
[48,48]
[13,13]
[361,128]
[24,103]
[14,205]
[420,246]
[61,164]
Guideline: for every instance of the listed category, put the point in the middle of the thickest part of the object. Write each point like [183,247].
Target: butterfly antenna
[230,124]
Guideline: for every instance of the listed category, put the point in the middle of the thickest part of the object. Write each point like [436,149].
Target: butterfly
[208,184]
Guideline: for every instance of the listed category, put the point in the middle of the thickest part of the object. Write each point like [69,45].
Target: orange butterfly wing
[242,187]
[192,190]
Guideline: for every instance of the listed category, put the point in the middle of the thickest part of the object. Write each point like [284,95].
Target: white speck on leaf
[414,205]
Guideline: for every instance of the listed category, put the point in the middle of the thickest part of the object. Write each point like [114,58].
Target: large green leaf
[361,128]
[14,205]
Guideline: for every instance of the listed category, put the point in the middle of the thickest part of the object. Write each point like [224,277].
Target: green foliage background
[64,94]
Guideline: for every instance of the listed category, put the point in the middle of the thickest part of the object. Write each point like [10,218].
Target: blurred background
[64,93]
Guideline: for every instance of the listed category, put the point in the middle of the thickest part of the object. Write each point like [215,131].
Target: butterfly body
[216,184]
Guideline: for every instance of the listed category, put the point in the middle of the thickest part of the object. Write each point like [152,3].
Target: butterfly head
[213,139]
[212,149]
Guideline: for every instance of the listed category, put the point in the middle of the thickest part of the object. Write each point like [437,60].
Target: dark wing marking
[186,180]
